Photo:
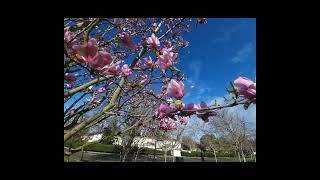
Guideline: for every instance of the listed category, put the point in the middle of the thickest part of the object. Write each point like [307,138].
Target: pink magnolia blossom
[175,89]
[247,88]
[154,26]
[205,114]
[67,37]
[89,54]
[164,110]
[167,43]
[114,69]
[189,107]
[153,41]
[70,77]
[163,90]
[167,58]
[126,70]
[101,60]
[94,101]
[167,123]
[68,85]
[125,37]
[166,49]
[148,62]
[138,63]
[183,120]
[143,81]
[101,90]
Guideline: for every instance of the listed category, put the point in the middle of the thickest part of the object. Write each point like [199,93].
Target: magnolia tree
[110,64]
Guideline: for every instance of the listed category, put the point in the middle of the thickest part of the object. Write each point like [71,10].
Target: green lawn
[72,159]
[77,159]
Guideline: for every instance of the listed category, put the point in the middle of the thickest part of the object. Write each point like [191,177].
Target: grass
[77,159]
[72,159]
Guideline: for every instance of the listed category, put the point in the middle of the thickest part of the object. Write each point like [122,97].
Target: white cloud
[243,53]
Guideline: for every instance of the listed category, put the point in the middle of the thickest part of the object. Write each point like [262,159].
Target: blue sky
[218,52]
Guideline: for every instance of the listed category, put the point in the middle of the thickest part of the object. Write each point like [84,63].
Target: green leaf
[235,89]
[232,95]
[117,40]
[67,28]
[246,105]
[154,52]
[173,68]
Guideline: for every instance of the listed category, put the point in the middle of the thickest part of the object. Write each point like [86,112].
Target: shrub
[99,147]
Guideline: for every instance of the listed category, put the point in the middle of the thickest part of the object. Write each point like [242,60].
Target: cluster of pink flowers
[247,88]
[99,60]
[175,89]
[189,108]
[167,58]
[126,39]
[148,62]
[95,101]
[167,43]
[67,37]
[183,120]
[69,85]
[167,123]
[101,90]
[153,41]
[205,114]
[164,110]
[126,70]
[142,78]
[70,77]
[138,63]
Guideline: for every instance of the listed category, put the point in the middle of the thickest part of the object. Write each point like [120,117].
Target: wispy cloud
[195,68]
[243,53]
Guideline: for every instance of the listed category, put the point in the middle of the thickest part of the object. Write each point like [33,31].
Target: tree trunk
[239,156]
[165,156]
[202,158]
[154,152]
[81,154]
[172,154]
[135,159]
[242,154]
[125,156]
[215,156]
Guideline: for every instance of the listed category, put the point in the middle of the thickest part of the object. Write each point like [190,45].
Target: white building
[174,146]
[151,143]
[92,138]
